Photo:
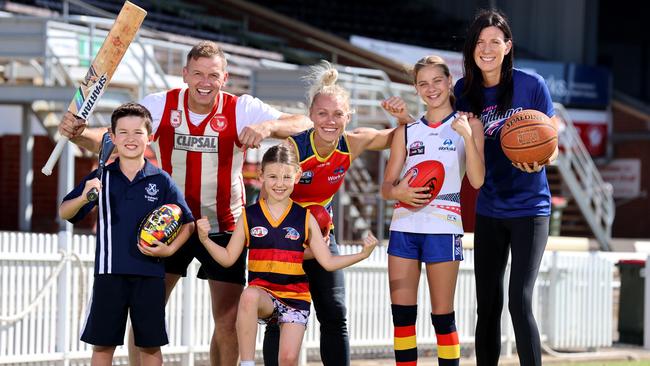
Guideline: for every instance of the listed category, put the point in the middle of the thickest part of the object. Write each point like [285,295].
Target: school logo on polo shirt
[151,190]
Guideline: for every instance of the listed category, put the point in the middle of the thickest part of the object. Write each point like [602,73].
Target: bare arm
[472,133]
[365,138]
[283,127]
[392,188]
[225,256]
[69,208]
[331,262]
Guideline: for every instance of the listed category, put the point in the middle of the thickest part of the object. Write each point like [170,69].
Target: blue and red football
[428,173]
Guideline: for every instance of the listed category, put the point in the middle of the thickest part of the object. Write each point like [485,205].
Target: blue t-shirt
[119,218]
[507,191]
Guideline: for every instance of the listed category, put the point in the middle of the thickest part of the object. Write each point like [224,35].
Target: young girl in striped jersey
[279,235]
[429,231]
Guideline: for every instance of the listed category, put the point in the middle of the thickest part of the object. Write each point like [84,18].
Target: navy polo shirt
[123,204]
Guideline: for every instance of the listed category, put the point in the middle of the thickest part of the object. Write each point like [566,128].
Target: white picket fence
[44,289]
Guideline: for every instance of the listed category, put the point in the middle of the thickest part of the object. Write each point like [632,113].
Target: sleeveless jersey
[442,143]
[205,161]
[321,176]
[276,250]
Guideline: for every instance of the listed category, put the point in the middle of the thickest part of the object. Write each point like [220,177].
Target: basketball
[162,224]
[428,173]
[528,136]
[322,217]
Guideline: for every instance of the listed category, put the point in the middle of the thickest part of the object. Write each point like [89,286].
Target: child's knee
[289,358]
[250,298]
[105,350]
[150,350]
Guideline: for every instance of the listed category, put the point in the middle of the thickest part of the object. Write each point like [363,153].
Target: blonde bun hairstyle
[321,79]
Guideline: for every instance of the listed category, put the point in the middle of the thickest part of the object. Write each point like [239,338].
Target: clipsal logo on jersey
[152,191]
[259,231]
[203,144]
[306,177]
[219,123]
[292,234]
[447,145]
[416,148]
[175,117]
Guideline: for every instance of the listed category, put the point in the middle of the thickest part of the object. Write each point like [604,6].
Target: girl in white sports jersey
[429,231]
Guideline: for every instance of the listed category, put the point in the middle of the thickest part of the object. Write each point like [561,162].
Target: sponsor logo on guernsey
[335,178]
[202,144]
[292,234]
[447,145]
[306,177]
[493,120]
[259,231]
[152,190]
[175,118]
[219,123]
[416,148]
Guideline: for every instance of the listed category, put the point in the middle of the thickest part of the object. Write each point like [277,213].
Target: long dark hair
[473,83]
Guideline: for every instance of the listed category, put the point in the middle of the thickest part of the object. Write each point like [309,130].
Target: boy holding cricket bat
[128,276]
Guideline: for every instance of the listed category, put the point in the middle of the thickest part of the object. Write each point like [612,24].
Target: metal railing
[593,195]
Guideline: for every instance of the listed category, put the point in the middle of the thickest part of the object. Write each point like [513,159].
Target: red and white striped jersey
[202,153]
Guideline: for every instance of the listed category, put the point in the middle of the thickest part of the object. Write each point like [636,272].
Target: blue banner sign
[575,86]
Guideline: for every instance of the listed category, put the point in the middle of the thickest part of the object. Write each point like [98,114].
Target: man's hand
[72,126]
[252,136]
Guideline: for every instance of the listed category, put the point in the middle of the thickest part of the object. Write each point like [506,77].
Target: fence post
[63,330]
[646,307]
[188,317]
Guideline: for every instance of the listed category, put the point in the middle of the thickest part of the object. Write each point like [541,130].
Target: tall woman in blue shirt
[514,204]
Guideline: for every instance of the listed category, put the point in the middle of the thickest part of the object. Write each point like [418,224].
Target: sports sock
[447,338]
[406,349]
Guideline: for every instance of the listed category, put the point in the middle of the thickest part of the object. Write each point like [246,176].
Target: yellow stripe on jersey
[276,267]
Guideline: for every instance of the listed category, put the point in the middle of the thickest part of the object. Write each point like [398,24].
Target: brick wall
[44,189]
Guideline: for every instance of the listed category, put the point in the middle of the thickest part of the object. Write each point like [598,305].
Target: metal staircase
[588,190]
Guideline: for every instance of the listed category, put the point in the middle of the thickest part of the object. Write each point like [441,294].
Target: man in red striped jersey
[200,133]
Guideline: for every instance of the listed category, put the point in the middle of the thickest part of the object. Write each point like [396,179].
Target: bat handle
[54,156]
[92,195]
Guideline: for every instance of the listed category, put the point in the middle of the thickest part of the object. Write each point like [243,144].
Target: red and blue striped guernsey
[276,249]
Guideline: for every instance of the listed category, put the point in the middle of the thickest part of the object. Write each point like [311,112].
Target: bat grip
[92,195]
[54,156]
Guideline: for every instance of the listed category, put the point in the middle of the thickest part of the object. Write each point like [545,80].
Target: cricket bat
[104,154]
[101,70]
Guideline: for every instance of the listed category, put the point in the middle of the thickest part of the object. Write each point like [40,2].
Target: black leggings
[494,239]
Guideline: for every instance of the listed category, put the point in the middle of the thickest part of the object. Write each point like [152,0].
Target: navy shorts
[114,297]
[427,248]
[210,269]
